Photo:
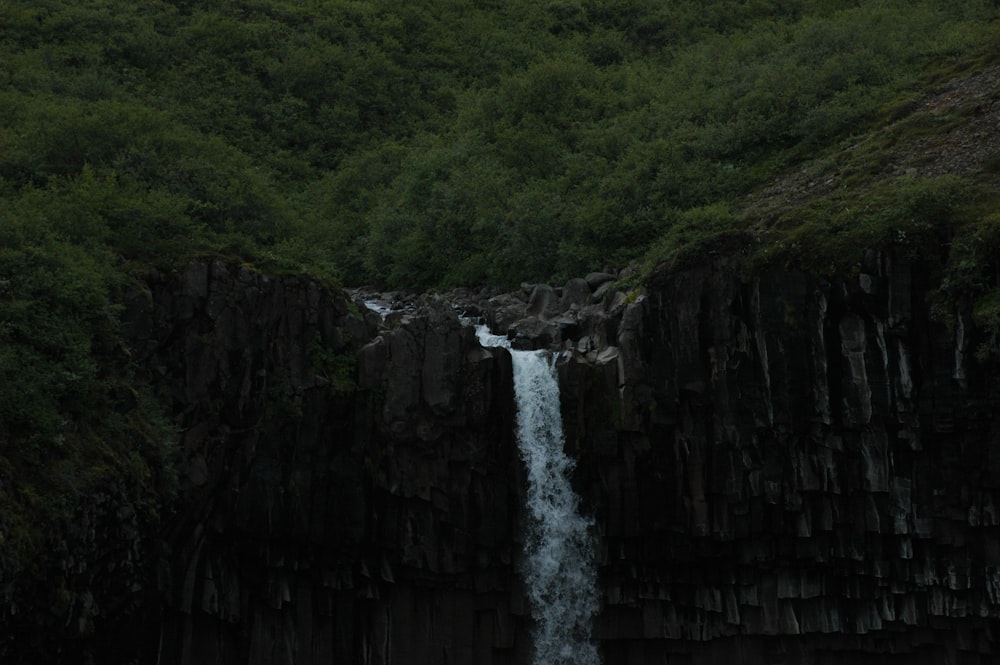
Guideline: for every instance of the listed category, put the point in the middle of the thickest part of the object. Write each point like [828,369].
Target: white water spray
[559,558]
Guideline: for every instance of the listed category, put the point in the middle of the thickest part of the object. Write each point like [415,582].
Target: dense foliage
[429,143]
[416,144]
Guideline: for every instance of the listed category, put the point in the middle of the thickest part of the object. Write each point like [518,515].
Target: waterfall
[560,572]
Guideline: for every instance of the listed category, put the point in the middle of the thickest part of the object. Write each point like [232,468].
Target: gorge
[781,469]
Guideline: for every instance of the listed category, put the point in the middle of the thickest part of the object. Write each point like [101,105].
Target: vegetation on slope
[430,143]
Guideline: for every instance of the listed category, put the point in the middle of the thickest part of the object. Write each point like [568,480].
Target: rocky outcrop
[783,469]
[787,469]
[349,490]
[582,314]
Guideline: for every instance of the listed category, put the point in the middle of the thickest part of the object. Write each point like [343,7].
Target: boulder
[502,311]
[543,302]
[535,333]
[576,293]
[596,279]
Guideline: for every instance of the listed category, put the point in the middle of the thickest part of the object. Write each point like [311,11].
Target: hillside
[436,144]
[430,144]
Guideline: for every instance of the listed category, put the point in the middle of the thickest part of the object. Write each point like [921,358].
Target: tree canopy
[427,144]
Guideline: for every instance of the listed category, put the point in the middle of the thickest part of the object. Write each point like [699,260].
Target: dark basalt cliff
[783,470]
[796,471]
[329,515]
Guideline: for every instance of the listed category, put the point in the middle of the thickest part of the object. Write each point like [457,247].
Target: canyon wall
[349,493]
[782,469]
[791,470]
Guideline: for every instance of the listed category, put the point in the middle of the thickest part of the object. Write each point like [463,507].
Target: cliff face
[329,514]
[783,470]
[794,471]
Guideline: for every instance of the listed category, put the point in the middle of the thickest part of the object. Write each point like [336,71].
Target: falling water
[559,561]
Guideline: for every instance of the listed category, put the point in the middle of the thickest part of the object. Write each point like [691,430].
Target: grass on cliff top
[921,180]
[925,169]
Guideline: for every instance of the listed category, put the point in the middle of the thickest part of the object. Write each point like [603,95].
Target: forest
[428,144]
[435,143]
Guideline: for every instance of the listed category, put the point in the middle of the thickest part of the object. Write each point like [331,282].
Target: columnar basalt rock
[783,469]
[348,488]
[789,469]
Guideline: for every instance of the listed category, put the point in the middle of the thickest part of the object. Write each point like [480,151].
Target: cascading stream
[560,573]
